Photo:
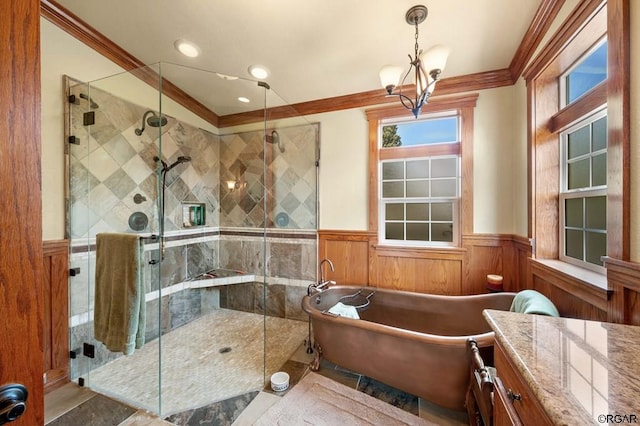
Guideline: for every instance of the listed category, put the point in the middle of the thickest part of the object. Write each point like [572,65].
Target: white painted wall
[61,55]
[500,204]
[493,147]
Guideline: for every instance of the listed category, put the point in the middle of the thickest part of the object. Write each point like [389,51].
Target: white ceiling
[315,49]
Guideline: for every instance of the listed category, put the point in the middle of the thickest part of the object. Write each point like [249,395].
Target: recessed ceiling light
[244,100]
[259,71]
[187,48]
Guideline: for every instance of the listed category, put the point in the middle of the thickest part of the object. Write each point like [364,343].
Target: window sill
[582,283]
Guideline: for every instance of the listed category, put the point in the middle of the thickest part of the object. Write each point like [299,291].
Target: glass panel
[394,211]
[444,188]
[442,232]
[596,209]
[417,169]
[393,170]
[394,231]
[596,247]
[421,132]
[444,167]
[151,181]
[442,212]
[418,188]
[418,231]
[599,138]
[393,189]
[574,244]
[417,211]
[588,74]
[574,213]
[599,170]
[390,136]
[578,142]
[578,174]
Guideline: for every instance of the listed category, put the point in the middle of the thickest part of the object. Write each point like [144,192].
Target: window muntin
[583,197]
[426,131]
[589,71]
[419,200]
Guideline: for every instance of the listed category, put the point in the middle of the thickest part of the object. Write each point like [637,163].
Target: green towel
[532,302]
[120,306]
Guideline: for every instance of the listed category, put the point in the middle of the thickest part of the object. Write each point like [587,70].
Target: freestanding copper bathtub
[411,341]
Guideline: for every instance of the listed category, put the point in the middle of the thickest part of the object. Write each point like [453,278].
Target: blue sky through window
[425,132]
[588,74]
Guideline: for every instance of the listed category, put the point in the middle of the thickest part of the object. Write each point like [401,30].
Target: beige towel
[119,314]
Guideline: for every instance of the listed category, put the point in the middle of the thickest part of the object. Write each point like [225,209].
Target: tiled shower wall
[112,176]
[113,172]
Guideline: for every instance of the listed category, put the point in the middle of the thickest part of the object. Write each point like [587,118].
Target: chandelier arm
[406,101]
[403,80]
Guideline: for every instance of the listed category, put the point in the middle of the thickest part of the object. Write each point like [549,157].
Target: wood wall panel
[519,265]
[573,298]
[568,305]
[624,283]
[486,254]
[434,274]
[349,252]
[56,318]
[360,260]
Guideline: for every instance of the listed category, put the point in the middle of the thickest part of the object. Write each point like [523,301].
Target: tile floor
[72,405]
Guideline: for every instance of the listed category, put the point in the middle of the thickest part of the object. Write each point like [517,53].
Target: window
[588,72]
[419,197]
[583,198]
[419,181]
[419,200]
[579,149]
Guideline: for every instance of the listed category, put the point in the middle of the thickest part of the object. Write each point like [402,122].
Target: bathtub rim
[483,339]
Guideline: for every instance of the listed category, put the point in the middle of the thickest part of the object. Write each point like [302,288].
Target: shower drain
[225,350]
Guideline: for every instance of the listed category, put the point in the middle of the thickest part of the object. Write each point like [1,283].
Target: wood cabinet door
[21,356]
[503,412]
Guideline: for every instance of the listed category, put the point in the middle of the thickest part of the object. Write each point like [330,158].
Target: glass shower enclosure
[224,210]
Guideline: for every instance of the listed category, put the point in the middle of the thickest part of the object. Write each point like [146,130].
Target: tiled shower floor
[208,372]
[213,358]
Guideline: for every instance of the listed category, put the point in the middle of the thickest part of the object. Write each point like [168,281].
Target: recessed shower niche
[140,163]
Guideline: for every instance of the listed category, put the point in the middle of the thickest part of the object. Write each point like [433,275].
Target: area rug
[320,401]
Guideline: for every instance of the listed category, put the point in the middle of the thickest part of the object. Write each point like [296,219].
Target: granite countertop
[579,370]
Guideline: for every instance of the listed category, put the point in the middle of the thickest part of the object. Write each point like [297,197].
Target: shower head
[274,138]
[154,120]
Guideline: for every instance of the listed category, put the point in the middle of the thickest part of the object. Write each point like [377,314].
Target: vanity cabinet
[514,403]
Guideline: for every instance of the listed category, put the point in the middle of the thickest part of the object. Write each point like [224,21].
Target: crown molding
[76,27]
[67,21]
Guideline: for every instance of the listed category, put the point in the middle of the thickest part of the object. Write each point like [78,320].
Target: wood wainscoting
[573,297]
[624,283]
[358,259]
[55,328]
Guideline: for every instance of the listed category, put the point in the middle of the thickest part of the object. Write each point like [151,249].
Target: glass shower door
[112,179]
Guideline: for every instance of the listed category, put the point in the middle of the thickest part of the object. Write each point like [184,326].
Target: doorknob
[13,400]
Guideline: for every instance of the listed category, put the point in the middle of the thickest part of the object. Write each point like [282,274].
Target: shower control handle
[13,402]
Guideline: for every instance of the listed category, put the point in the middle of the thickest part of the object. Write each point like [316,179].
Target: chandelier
[427,67]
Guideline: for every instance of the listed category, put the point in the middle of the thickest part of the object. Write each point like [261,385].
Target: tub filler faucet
[323,282]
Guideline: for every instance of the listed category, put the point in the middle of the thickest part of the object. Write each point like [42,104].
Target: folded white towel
[344,310]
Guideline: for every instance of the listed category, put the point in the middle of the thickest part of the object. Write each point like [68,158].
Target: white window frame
[566,194]
[456,201]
